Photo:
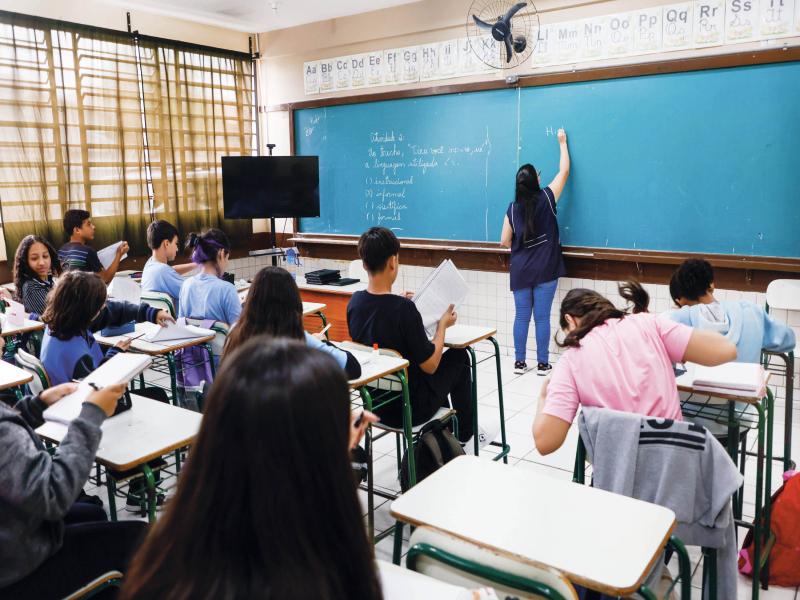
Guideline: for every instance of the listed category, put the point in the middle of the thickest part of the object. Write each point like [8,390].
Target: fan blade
[481,24]
[514,10]
[507,41]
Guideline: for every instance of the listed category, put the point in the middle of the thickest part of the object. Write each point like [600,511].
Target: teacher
[530,229]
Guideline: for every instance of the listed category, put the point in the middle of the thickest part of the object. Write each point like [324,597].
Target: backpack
[435,447]
[784,558]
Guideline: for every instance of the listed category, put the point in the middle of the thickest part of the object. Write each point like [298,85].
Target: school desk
[733,413]
[149,430]
[467,336]
[165,350]
[597,539]
[13,377]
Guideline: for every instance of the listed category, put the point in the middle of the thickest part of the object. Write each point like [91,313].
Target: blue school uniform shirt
[207,296]
[536,258]
[61,357]
[745,324]
[160,277]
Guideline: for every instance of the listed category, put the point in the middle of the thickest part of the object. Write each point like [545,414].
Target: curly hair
[23,271]
[74,303]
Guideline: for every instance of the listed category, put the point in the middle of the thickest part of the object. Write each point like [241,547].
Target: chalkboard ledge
[748,273]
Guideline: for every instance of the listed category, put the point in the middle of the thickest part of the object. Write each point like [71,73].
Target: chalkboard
[703,161]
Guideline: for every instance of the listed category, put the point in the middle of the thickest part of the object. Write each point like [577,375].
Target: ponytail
[206,246]
[594,309]
[527,187]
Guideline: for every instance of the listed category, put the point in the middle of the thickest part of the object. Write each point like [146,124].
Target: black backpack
[435,446]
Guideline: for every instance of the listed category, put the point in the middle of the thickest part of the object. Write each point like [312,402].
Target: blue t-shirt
[160,277]
[535,258]
[207,296]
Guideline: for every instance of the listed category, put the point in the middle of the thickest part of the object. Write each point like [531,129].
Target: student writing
[618,360]
[274,307]
[51,546]
[245,522]
[76,254]
[745,324]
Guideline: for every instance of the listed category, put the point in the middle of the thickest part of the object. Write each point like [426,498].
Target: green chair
[457,561]
[31,364]
[161,301]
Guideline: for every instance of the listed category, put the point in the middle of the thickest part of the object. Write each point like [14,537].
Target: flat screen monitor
[257,187]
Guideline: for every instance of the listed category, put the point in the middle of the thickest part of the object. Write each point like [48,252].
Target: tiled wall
[490,302]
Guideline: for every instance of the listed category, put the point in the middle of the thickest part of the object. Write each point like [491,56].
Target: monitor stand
[274,252]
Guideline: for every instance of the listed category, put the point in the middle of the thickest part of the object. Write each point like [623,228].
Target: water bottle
[292,261]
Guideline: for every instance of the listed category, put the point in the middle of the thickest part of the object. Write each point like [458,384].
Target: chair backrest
[784,294]
[31,364]
[356,270]
[106,580]
[220,330]
[160,300]
[466,564]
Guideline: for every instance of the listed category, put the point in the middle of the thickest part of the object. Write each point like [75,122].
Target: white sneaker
[520,367]
[488,430]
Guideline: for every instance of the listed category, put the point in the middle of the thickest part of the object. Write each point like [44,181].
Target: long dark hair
[593,309]
[22,271]
[74,303]
[273,307]
[526,194]
[266,506]
[205,246]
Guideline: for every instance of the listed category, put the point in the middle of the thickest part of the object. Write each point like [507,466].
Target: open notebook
[443,287]
[179,330]
[735,379]
[120,368]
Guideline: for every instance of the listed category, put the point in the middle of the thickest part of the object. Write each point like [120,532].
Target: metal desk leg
[757,524]
[366,397]
[768,490]
[788,464]
[408,433]
[474,375]
[506,447]
[112,496]
[322,318]
[173,377]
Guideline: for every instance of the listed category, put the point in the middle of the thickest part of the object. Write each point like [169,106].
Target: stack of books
[323,276]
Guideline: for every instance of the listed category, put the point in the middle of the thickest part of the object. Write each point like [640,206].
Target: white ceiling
[256,16]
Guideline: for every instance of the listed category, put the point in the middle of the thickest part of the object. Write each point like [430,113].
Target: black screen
[255,187]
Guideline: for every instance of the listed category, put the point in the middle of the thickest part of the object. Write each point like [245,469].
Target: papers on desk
[121,368]
[443,287]
[733,379]
[125,289]
[15,314]
[108,254]
[179,330]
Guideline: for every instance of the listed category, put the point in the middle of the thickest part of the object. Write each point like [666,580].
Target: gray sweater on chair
[676,464]
[36,489]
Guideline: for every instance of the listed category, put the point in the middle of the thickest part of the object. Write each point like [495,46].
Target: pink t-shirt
[624,364]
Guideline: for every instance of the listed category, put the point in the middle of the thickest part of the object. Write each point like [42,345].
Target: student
[377,316]
[206,295]
[76,254]
[76,307]
[743,323]
[34,270]
[618,360]
[247,523]
[530,230]
[157,275]
[274,307]
[51,546]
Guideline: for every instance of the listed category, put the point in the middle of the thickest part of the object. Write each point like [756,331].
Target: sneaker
[520,367]
[487,432]
[543,369]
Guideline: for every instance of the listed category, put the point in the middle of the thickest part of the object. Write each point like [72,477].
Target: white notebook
[120,368]
[736,379]
[443,287]
[179,330]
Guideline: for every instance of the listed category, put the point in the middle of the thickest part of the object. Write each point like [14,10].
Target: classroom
[402,300]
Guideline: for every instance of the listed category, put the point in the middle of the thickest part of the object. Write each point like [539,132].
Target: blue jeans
[537,301]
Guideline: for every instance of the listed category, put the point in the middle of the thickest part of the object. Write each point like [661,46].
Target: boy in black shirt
[379,316]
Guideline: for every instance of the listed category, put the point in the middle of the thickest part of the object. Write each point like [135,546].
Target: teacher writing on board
[530,229]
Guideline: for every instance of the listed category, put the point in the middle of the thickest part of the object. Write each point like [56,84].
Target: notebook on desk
[734,379]
[120,368]
[173,332]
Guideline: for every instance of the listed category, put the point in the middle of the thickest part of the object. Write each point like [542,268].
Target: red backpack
[784,558]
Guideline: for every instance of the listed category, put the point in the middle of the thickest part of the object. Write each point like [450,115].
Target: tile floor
[520,393]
